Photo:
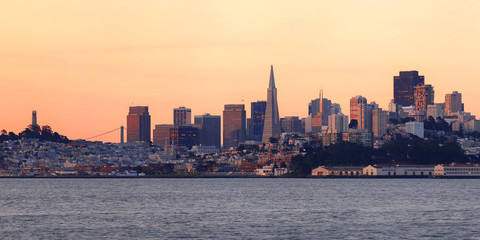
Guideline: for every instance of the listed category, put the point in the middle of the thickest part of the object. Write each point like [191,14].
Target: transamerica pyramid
[271,126]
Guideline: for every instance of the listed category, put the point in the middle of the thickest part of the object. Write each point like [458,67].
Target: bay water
[236,208]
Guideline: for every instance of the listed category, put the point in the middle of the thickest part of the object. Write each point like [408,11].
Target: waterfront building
[379,122]
[457,170]
[291,124]
[257,118]
[323,171]
[161,134]
[423,96]
[404,86]
[415,128]
[210,130]
[234,121]
[406,170]
[138,124]
[271,126]
[182,116]
[453,103]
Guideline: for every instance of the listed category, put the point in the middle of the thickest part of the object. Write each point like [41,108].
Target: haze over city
[80,65]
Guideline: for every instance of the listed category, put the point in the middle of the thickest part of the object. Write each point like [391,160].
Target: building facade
[404,87]
[291,124]
[210,130]
[257,118]
[182,116]
[271,126]
[234,125]
[453,103]
[161,134]
[138,124]
[424,96]
[185,136]
[379,122]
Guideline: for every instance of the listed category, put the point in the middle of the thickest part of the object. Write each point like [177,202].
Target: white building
[265,170]
[415,170]
[461,170]
[380,120]
[337,171]
[415,128]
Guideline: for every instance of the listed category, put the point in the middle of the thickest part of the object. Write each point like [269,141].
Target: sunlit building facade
[182,116]
[234,125]
[404,87]
[138,124]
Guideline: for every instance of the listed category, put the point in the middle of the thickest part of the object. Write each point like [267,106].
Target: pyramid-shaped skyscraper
[271,126]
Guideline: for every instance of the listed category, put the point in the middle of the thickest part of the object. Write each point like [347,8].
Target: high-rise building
[138,124]
[185,136]
[182,116]
[210,130]
[453,103]
[404,87]
[362,112]
[291,124]
[271,126]
[337,123]
[424,96]
[379,122]
[436,110]
[34,118]
[161,134]
[320,109]
[257,116]
[234,121]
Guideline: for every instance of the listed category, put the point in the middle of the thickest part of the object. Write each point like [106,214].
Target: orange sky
[81,64]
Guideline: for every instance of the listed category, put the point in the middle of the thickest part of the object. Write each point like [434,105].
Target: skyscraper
[182,116]
[404,86]
[210,130]
[257,113]
[291,124]
[138,124]
[271,126]
[356,109]
[161,134]
[424,96]
[453,103]
[379,122]
[234,125]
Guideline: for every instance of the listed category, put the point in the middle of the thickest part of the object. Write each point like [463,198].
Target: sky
[81,64]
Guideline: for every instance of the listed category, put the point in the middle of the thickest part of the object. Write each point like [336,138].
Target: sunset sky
[81,64]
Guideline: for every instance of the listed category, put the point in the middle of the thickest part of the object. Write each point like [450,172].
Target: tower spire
[272,78]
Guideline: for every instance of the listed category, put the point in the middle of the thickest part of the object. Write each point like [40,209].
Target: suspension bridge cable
[103,133]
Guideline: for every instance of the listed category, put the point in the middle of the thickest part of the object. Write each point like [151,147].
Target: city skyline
[70,62]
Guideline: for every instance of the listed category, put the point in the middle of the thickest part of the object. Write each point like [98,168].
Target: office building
[453,103]
[424,96]
[404,87]
[210,130]
[379,122]
[291,124]
[257,119]
[138,124]
[362,112]
[436,110]
[271,126]
[161,134]
[415,128]
[184,136]
[234,125]
[182,116]
[338,123]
